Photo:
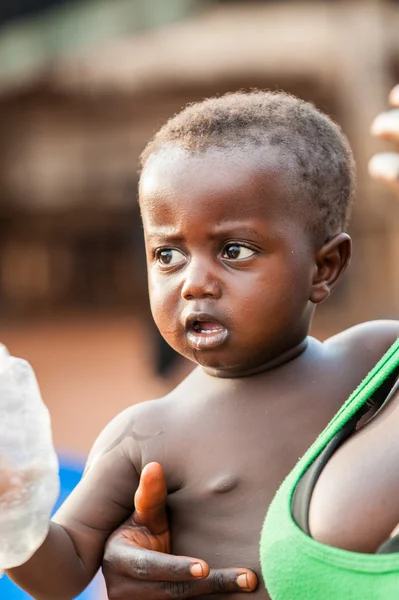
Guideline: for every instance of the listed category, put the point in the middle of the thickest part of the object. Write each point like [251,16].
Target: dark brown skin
[363,472]
[225,246]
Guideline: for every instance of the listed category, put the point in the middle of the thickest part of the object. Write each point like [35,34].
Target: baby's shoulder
[130,427]
[367,342]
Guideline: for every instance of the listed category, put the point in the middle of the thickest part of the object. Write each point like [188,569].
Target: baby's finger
[394,96]
[385,167]
[150,499]
[386,125]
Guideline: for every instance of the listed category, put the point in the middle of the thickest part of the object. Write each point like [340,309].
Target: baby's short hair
[326,167]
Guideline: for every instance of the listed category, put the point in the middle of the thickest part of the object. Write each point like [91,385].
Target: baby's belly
[222,532]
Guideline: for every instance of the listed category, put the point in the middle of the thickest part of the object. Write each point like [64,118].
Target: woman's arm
[72,552]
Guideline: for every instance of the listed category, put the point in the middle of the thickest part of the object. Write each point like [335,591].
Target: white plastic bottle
[29,482]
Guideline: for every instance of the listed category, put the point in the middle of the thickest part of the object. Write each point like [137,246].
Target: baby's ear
[331,262]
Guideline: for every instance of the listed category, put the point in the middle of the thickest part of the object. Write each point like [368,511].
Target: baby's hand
[137,561]
[385,166]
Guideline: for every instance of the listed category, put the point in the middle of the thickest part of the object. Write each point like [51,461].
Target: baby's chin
[210,360]
[224,360]
[231,366]
[224,366]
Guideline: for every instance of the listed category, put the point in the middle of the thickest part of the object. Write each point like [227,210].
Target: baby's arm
[72,552]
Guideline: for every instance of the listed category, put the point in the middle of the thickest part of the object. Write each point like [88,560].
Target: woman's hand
[385,166]
[137,560]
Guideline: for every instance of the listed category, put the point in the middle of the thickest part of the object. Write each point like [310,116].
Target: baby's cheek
[165,311]
[159,297]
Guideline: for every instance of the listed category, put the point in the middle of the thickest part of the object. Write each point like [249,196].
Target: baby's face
[230,266]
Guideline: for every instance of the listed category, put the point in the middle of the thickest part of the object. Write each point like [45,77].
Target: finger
[394,96]
[229,580]
[386,125]
[385,167]
[136,562]
[150,499]
[220,581]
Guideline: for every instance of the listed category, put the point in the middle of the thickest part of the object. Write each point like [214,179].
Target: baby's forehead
[222,152]
[174,169]
[179,188]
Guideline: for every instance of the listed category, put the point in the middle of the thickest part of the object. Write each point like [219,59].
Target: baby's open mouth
[206,334]
[207,327]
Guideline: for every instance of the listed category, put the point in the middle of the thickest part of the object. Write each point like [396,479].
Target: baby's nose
[200,282]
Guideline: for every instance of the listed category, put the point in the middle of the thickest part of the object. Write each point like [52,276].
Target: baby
[245,200]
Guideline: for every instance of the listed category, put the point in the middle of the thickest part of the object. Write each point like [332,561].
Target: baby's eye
[169,257]
[237,252]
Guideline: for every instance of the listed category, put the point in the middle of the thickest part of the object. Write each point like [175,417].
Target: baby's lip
[205,331]
[205,321]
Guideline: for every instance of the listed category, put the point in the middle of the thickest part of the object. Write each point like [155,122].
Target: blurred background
[83,85]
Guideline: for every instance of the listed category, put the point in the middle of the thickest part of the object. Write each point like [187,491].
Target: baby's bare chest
[224,459]
[231,470]
[226,465]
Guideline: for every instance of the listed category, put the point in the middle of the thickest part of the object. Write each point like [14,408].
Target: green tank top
[297,567]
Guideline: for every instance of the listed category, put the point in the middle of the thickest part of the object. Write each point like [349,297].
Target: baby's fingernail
[242,580]
[196,570]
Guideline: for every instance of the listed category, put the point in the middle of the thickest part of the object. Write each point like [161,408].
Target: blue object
[70,474]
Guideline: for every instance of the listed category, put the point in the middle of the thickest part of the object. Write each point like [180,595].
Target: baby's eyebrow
[222,230]
[169,233]
[236,230]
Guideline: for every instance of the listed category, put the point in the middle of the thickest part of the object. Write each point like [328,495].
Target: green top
[297,567]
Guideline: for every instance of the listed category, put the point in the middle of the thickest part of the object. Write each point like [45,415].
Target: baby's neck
[275,362]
